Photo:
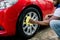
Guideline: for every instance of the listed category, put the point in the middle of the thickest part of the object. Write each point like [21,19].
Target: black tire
[20,22]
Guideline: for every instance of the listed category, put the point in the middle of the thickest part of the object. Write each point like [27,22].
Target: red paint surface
[9,16]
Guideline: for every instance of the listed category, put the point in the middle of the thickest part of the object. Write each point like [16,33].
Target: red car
[15,15]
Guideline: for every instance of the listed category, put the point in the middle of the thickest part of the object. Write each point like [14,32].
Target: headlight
[7,3]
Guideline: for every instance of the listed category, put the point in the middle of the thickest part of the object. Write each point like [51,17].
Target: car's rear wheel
[25,28]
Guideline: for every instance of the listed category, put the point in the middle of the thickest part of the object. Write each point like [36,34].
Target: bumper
[8,19]
[7,23]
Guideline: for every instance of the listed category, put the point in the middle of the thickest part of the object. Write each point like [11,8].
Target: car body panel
[9,16]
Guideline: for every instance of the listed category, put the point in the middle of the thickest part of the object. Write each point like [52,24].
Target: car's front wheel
[25,28]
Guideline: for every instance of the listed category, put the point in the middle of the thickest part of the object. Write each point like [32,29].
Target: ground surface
[46,34]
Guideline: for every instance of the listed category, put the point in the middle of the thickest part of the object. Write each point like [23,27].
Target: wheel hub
[27,21]
[28,27]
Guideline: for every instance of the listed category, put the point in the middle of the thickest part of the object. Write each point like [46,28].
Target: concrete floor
[46,34]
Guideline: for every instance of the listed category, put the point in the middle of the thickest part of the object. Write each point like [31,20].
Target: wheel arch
[35,6]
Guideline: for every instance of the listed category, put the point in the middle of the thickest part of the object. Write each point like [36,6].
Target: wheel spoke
[25,27]
[34,27]
[29,14]
[33,16]
[36,18]
[31,30]
[28,30]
